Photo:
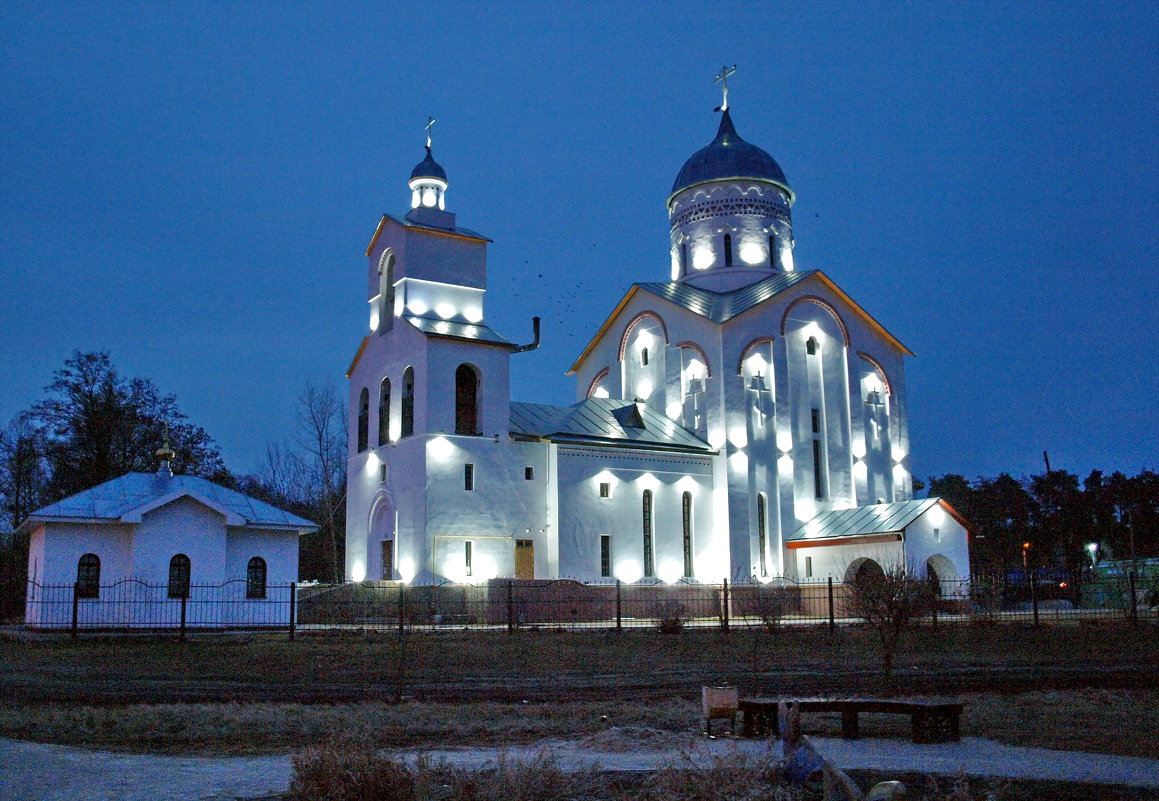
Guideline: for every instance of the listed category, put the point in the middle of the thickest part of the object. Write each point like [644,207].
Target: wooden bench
[930,721]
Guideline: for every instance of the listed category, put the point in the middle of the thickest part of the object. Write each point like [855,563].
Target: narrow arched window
[386,292]
[179,576]
[88,576]
[643,357]
[686,516]
[727,250]
[408,402]
[763,529]
[363,419]
[255,578]
[466,400]
[384,412]
[649,560]
[811,346]
[772,250]
[683,258]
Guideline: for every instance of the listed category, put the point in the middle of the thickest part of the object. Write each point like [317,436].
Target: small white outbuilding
[137,550]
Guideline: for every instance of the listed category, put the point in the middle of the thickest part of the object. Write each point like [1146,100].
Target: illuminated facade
[743,420]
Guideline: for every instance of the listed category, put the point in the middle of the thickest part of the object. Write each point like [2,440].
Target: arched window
[386,292]
[811,346]
[763,529]
[179,576]
[649,560]
[384,412]
[772,250]
[727,250]
[643,357]
[686,515]
[466,400]
[88,576]
[683,258]
[363,419]
[408,402]
[255,578]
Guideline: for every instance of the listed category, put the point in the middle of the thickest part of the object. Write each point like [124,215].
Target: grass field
[1084,688]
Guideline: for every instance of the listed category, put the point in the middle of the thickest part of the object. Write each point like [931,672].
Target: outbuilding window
[255,578]
[686,515]
[605,556]
[179,568]
[649,559]
[88,576]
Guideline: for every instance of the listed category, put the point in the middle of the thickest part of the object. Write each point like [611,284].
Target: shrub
[672,615]
[771,604]
[349,772]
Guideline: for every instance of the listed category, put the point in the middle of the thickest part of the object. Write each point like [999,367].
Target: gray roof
[881,518]
[603,421]
[120,498]
[472,332]
[721,307]
[728,156]
[456,230]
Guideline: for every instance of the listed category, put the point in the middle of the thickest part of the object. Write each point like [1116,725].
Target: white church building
[742,420]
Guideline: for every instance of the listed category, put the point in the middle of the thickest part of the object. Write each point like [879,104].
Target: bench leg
[849,727]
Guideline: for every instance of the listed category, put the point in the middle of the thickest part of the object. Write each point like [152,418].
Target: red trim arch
[688,343]
[636,321]
[877,366]
[745,352]
[600,376]
[824,304]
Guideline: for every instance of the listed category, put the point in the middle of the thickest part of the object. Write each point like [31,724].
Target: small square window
[528,473]
[468,477]
[605,489]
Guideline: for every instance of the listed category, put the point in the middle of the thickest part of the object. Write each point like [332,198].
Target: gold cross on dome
[722,78]
[430,122]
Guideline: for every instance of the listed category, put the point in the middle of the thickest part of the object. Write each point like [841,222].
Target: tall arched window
[811,346]
[363,419]
[763,529]
[466,400]
[727,250]
[408,402]
[686,516]
[649,559]
[255,578]
[179,576]
[88,576]
[386,292]
[772,250]
[384,412]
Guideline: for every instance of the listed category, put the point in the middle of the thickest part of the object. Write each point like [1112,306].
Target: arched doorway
[382,532]
[862,569]
[941,575]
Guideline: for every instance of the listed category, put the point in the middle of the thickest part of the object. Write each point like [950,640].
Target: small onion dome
[428,168]
[165,453]
[729,156]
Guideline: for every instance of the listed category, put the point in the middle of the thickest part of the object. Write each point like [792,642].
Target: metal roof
[728,156]
[721,307]
[881,518]
[119,498]
[607,421]
[472,332]
[428,168]
[467,232]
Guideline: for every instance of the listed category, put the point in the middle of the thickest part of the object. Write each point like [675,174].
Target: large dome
[728,156]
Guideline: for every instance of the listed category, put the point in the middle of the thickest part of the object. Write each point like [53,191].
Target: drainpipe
[535,342]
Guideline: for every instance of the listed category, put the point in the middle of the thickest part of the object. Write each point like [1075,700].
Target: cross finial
[722,78]
[430,122]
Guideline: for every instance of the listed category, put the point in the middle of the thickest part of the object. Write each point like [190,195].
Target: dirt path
[36,772]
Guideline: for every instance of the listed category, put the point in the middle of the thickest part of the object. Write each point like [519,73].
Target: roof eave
[783,186]
[595,340]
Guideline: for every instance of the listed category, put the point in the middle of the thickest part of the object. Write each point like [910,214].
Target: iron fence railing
[509,604]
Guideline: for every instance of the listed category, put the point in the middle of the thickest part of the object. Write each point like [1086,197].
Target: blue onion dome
[428,168]
[728,156]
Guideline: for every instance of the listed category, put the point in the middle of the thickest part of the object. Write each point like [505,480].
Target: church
[742,420]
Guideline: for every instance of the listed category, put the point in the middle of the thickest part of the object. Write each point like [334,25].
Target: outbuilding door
[524,559]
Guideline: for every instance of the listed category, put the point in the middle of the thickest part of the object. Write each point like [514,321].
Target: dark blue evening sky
[192,186]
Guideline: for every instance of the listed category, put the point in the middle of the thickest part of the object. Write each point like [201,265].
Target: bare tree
[888,601]
[321,455]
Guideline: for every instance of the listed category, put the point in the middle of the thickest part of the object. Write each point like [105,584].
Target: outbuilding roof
[863,521]
[603,421]
[125,499]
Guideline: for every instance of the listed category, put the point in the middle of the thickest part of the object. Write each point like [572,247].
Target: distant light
[374,315]
[702,258]
[406,570]
[937,516]
[644,389]
[643,340]
[628,571]
[739,461]
[899,474]
[648,482]
[670,571]
[440,448]
[738,436]
[600,392]
[787,259]
[785,465]
[674,410]
[860,471]
[687,484]
[752,253]
[858,449]
[897,453]
[784,441]
[716,438]
[358,571]
[417,306]
[445,310]
[473,314]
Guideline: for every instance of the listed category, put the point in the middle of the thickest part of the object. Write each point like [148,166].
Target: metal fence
[506,604]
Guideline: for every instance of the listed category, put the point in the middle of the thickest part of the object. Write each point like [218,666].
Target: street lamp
[1030,578]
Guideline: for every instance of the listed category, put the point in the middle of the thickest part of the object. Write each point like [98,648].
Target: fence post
[184,598]
[510,605]
[1034,599]
[293,608]
[619,618]
[724,608]
[401,614]
[832,620]
[75,607]
[1134,598]
[935,595]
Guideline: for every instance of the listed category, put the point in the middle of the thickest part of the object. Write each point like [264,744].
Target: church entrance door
[524,559]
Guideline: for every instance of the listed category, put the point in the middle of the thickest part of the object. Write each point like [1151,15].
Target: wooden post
[184,598]
[510,605]
[401,614]
[619,618]
[724,607]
